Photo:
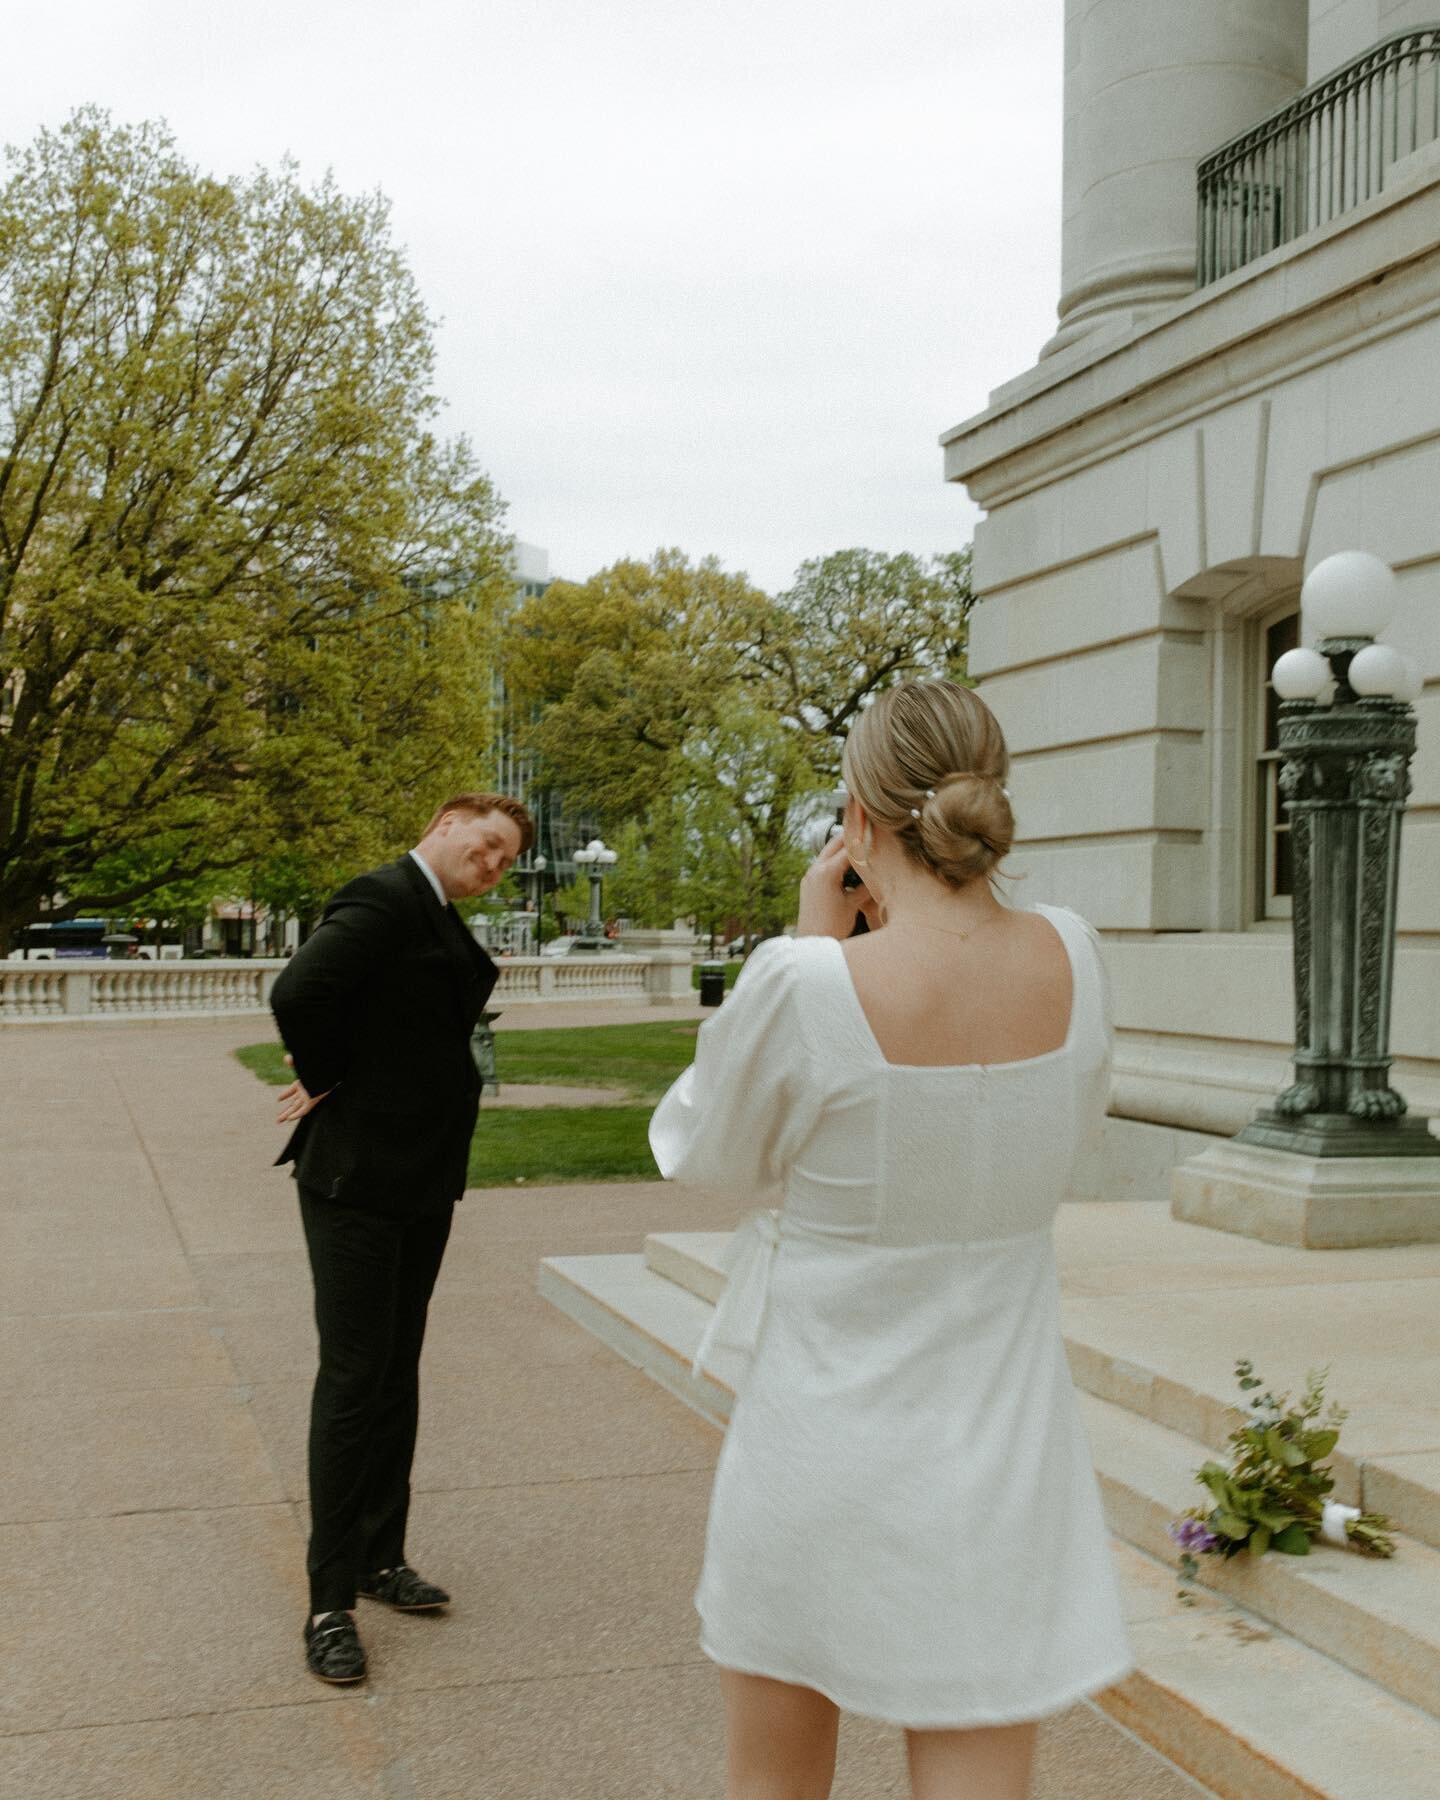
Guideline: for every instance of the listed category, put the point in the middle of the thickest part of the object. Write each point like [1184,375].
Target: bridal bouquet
[1274,1494]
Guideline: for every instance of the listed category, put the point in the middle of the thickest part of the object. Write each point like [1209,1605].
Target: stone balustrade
[162,990]
[85,989]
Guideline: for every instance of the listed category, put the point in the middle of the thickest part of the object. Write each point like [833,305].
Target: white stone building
[1156,486]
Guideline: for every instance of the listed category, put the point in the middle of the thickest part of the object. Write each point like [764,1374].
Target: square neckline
[1017,1062]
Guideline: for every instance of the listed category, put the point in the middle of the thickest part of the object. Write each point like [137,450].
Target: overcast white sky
[711,273]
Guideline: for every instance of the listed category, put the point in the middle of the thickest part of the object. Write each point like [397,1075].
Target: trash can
[482,1048]
[712,983]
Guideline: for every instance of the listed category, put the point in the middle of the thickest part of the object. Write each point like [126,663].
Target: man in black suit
[376,1009]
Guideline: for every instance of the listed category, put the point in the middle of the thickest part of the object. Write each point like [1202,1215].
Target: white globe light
[1378,671]
[1351,594]
[1300,675]
[1414,683]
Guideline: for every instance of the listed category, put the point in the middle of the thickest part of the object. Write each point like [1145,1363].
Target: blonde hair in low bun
[928,761]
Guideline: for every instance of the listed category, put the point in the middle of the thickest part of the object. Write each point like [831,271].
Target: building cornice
[1371,272]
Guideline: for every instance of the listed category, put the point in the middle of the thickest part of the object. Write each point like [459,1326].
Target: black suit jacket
[376,1007]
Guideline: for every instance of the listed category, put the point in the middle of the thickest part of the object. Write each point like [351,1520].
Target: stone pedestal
[667,980]
[1313,1202]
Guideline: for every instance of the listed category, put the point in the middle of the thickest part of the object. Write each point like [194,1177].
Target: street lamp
[536,876]
[595,858]
[1347,733]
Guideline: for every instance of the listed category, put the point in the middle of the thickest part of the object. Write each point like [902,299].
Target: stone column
[1151,86]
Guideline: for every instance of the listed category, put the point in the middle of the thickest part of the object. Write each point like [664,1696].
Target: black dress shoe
[333,1650]
[403,1589]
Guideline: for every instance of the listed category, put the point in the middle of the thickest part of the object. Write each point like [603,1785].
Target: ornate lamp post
[595,858]
[1331,1160]
[1347,733]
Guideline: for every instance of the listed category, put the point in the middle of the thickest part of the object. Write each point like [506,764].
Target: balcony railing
[1320,154]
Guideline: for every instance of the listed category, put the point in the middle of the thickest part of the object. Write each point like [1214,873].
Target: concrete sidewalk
[158,1352]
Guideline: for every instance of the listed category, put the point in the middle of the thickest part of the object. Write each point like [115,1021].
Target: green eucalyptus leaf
[1294,1540]
[1259,1540]
[1282,1451]
[1217,1480]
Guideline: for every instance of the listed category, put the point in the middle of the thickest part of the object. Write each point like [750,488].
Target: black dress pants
[373,1280]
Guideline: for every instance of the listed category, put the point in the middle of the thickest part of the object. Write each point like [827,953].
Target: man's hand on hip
[294,1101]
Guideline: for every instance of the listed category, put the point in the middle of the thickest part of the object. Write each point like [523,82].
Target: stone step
[650,1321]
[1405,1487]
[691,1259]
[1381,1619]
[1272,1686]
[1250,1712]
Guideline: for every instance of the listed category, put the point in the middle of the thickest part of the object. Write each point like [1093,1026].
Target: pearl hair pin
[930,795]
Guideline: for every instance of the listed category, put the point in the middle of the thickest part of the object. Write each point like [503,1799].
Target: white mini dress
[905,1515]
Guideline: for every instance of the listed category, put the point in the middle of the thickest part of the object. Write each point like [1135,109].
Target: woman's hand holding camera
[827,907]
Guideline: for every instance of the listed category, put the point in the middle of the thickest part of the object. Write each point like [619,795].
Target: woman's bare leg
[990,1763]
[779,1739]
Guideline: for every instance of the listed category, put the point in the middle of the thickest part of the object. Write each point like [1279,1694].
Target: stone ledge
[1314,1203]
[1287,309]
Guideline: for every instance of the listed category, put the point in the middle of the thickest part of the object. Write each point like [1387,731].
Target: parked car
[572,945]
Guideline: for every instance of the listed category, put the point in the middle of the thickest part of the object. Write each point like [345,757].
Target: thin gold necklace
[949,930]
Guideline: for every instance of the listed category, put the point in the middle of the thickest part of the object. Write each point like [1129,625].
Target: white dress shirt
[431,877]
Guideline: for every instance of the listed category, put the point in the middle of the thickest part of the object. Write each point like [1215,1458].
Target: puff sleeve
[739,1113]
[1095,1051]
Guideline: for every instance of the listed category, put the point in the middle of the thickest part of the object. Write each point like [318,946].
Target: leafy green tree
[245,591]
[621,669]
[709,718]
[646,885]
[852,624]
[572,903]
[751,787]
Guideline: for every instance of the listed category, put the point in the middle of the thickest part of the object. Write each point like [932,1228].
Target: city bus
[47,941]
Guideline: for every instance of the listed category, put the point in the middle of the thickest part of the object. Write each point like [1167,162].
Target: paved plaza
[154,1314]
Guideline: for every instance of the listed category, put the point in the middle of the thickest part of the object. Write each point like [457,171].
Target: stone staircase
[1314,1677]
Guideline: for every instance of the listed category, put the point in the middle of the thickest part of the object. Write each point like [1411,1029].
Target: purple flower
[1192,1536]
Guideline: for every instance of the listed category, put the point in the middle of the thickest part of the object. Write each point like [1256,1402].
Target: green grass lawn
[265,1060]
[560,1143]
[638,1060]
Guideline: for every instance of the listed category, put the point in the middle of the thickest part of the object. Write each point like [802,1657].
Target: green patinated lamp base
[1340,1134]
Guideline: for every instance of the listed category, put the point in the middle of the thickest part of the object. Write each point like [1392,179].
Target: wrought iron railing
[1320,154]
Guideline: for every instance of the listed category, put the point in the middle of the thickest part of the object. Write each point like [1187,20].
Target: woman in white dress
[905,1520]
